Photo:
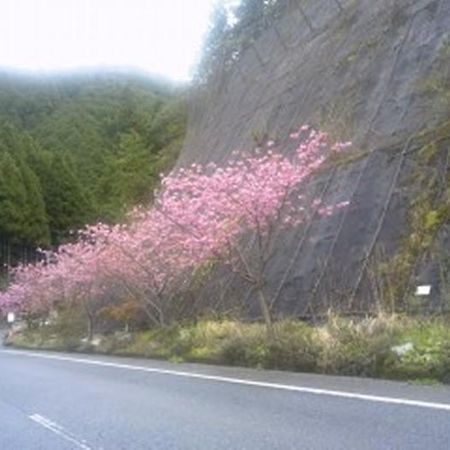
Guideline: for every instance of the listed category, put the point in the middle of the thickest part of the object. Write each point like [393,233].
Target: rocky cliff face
[375,72]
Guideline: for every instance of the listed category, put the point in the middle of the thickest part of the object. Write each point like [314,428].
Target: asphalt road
[63,401]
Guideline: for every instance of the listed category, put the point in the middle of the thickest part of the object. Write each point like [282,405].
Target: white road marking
[58,430]
[261,384]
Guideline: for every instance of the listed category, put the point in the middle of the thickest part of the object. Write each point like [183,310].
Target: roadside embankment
[394,347]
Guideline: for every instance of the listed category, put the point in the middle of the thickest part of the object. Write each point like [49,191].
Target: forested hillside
[81,148]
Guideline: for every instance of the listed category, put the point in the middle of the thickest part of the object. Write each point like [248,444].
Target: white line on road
[58,430]
[261,384]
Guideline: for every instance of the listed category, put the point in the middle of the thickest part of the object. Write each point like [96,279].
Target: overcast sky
[159,36]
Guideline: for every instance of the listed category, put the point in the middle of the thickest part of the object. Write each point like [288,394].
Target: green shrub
[361,347]
[429,357]
[294,348]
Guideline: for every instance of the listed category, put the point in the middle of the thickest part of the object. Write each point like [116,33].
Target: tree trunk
[264,306]
[90,327]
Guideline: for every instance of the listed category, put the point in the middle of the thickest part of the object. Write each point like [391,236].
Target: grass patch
[395,347]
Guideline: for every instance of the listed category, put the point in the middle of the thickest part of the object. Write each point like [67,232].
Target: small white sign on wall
[423,290]
[11,317]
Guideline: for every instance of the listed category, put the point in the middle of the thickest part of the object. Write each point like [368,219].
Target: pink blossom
[201,214]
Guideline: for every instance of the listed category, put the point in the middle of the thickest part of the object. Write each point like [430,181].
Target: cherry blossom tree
[71,275]
[137,260]
[234,213]
[205,214]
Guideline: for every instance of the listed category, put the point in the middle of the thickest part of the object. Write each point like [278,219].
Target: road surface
[67,401]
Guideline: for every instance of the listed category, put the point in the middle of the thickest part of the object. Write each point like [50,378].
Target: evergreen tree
[67,204]
[35,214]
[13,199]
[23,203]
[81,148]
[215,48]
